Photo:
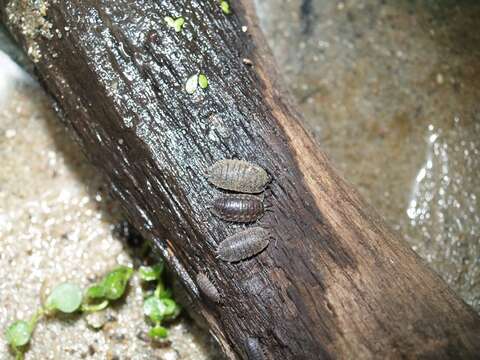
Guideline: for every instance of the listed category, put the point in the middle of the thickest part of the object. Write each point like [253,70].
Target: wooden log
[335,282]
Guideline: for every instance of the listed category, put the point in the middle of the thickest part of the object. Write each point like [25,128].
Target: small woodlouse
[253,348]
[238,207]
[243,244]
[239,176]
[207,288]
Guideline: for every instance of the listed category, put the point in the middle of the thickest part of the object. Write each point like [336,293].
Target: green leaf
[203,81]
[116,281]
[112,287]
[170,21]
[225,6]
[171,308]
[18,333]
[96,291]
[178,24]
[191,84]
[154,308]
[158,332]
[151,273]
[66,298]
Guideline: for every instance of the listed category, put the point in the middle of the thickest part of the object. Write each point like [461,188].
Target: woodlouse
[239,176]
[243,244]
[238,207]
[207,288]
[253,348]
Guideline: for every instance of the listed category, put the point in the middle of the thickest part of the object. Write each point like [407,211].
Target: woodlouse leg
[268,208]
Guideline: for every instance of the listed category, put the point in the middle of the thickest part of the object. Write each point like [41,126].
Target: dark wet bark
[335,282]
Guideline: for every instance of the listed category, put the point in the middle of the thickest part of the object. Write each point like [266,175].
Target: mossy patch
[30,18]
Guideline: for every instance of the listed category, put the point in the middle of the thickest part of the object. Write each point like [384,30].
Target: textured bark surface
[335,282]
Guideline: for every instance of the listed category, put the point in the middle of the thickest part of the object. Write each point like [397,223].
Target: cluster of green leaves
[194,81]
[68,298]
[158,305]
[197,79]
[177,23]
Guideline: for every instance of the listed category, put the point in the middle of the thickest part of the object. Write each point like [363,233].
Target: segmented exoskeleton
[238,176]
[244,244]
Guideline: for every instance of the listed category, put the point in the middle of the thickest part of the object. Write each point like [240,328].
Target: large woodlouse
[239,176]
[253,348]
[207,288]
[243,244]
[238,207]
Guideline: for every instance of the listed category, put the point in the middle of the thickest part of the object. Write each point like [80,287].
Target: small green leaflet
[18,333]
[151,273]
[158,332]
[95,292]
[155,309]
[225,6]
[203,81]
[191,84]
[116,282]
[194,81]
[177,24]
[66,298]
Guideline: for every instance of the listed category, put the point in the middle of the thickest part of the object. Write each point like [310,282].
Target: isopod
[243,244]
[238,207]
[207,288]
[253,348]
[238,176]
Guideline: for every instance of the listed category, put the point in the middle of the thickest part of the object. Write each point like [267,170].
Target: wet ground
[389,89]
